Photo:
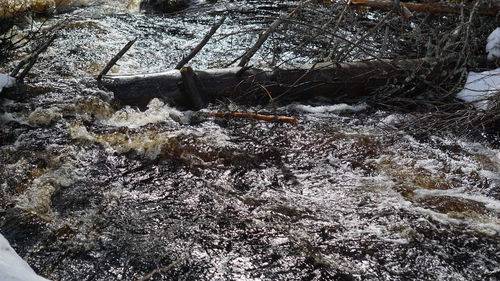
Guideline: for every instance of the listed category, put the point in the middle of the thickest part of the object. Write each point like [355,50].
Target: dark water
[91,190]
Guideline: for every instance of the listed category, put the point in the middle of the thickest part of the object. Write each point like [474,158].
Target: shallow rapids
[92,190]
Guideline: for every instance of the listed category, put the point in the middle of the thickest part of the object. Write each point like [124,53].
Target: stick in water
[113,61]
[29,62]
[201,44]
[267,118]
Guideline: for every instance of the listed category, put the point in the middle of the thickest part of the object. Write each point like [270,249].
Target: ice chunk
[493,45]
[479,87]
[13,267]
[6,81]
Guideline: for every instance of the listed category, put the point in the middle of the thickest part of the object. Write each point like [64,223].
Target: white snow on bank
[6,81]
[480,86]
[493,45]
[13,267]
[483,85]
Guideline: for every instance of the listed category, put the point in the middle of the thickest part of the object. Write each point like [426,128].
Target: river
[93,190]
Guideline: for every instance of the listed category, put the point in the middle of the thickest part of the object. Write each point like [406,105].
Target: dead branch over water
[433,8]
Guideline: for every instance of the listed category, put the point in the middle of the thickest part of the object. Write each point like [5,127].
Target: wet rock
[164,6]
[448,204]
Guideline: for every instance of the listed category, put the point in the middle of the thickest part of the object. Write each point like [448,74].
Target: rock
[164,6]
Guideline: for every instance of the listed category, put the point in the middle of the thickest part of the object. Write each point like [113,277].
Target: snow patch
[6,81]
[13,267]
[493,45]
[481,86]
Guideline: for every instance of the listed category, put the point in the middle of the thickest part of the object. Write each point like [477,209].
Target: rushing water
[91,190]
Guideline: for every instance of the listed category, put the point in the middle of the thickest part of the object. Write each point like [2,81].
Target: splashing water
[91,190]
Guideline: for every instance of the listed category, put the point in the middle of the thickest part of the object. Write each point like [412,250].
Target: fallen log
[343,82]
[435,8]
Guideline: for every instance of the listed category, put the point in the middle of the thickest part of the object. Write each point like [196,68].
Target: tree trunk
[343,82]
[440,8]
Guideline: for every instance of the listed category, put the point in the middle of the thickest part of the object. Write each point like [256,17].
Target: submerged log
[342,82]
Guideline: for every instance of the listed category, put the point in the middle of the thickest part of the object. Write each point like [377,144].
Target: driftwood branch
[435,8]
[113,61]
[201,44]
[29,62]
[255,116]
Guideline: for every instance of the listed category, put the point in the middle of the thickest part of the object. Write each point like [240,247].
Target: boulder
[164,6]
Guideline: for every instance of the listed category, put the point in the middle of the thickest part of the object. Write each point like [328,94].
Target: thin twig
[346,54]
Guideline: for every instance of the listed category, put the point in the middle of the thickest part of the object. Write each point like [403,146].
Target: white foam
[44,116]
[488,202]
[13,267]
[38,196]
[133,118]
[491,228]
[395,119]
[9,117]
[80,132]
